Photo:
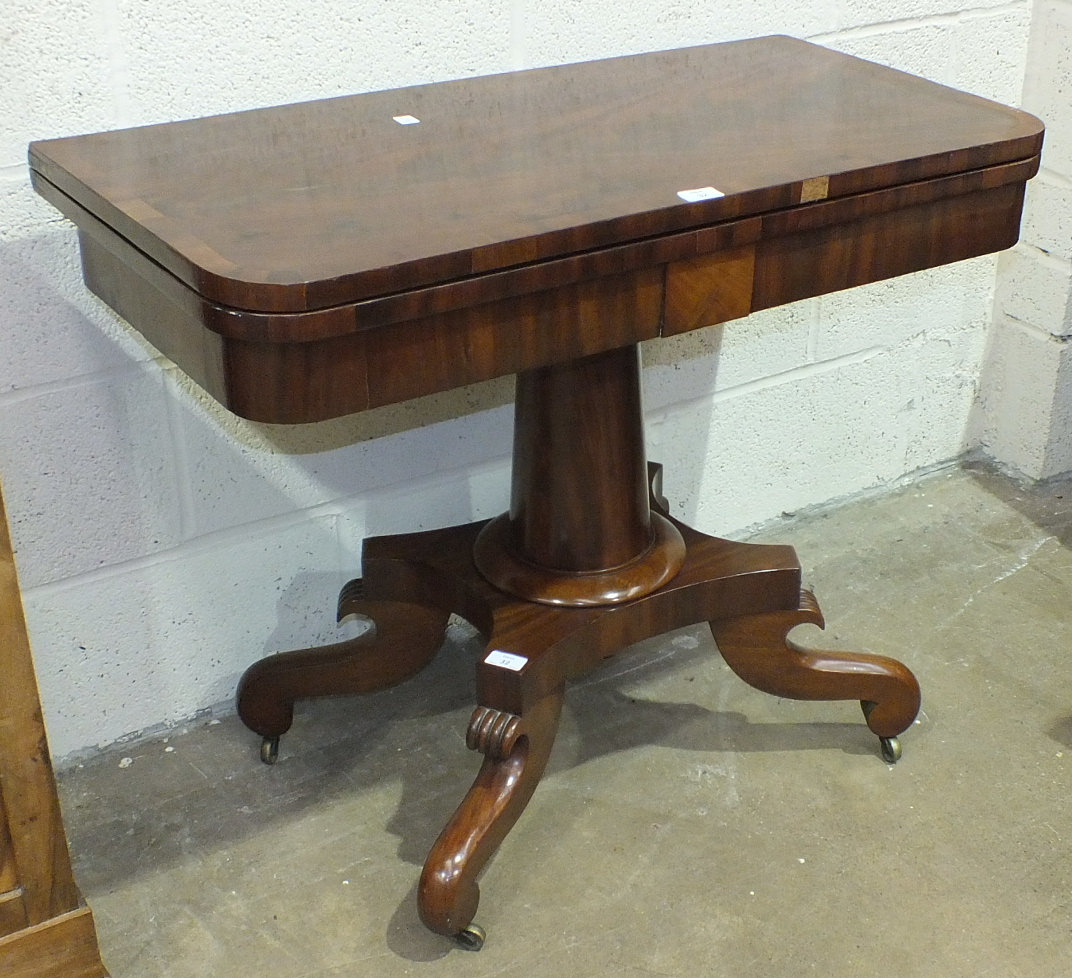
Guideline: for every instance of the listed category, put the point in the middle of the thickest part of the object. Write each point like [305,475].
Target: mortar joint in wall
[1041,255]
[14,173]
[1054,178]
[1038,332]
[926,20]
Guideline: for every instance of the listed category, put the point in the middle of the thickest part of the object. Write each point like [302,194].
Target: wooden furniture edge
[26,778]
[46,887]
[299,368]
[63,947]
[524,279]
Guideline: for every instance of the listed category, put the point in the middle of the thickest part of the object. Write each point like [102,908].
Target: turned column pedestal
[580,531]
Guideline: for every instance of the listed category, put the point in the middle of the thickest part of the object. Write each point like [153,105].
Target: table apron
[743,267]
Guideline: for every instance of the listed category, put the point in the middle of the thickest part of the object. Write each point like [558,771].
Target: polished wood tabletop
[307,206]
[310,223]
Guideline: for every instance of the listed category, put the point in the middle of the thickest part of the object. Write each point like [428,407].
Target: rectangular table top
[307,206]
[307,261]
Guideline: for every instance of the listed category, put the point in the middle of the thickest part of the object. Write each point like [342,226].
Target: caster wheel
[270,750]
[890,746]
[472,938]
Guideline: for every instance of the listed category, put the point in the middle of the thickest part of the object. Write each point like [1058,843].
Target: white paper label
[506,660]
[700,193]
[406,120]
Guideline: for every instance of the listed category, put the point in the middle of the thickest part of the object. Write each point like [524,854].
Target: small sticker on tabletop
[406,120]
[506,660]
[700,193]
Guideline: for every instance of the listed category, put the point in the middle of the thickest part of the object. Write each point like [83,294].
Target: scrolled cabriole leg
[404,639]
[756,647]
[515,750]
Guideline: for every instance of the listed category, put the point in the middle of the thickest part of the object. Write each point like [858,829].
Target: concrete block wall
[1026,408]
[164,544]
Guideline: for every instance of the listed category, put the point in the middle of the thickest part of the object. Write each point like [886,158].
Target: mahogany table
[308,261]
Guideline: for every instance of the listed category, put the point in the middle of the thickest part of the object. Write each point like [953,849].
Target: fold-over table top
[309,206]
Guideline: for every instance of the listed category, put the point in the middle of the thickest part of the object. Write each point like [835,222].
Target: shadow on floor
[1047,504]
[218,792]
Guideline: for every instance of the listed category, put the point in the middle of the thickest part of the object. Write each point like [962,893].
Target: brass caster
[270,750]
[472,938]
[890,746]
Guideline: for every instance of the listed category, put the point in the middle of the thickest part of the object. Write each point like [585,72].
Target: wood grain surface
[312,205]
[38,849]
[37,886]
[62,947]
[309,261]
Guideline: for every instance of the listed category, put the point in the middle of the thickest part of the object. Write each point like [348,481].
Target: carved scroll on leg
[757,649]
[516,751]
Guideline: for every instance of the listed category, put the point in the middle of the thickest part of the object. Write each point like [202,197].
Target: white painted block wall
[1026,407]
[164,545]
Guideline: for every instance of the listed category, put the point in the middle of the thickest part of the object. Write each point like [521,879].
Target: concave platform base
[749,593]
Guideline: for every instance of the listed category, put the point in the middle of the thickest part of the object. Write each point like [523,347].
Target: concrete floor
[688,825]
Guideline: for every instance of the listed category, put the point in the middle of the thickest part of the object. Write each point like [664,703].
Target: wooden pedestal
[587,562]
